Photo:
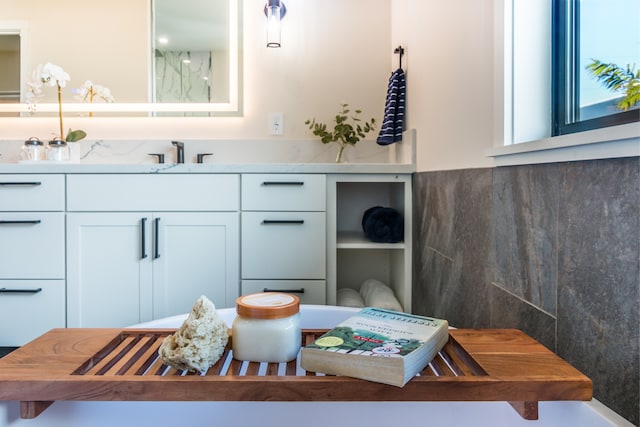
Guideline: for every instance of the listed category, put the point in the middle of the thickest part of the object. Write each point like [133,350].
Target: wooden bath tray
[122,365]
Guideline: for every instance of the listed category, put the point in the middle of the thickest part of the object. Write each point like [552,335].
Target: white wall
[449,66]
[332,51]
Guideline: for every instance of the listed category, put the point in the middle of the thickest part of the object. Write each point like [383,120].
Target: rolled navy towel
[383,225]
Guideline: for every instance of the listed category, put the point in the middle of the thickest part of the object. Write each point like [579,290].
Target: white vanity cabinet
[32,256]
[142,247]
[284,235]
[352,258]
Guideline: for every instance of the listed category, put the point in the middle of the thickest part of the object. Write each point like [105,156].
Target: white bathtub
[307,414]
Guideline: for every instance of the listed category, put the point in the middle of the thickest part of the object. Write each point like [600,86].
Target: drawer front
[29,308]
[31,192]
[32,245]
[283,245]
[309,291]
[140,192]
[283,192]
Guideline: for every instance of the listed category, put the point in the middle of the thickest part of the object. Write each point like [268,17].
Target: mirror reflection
[10,66]
[191,54]
[116,45]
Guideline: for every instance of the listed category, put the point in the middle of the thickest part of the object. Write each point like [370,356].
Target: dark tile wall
[551,249]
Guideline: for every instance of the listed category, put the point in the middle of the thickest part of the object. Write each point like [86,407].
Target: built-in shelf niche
[355,258]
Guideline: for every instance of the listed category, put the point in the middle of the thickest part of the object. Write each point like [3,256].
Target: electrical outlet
[276,125]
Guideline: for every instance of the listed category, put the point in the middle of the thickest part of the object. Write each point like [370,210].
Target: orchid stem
[60,112]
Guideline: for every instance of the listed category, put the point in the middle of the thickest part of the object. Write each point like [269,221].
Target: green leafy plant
[618,79]
[75,135]
[348,129]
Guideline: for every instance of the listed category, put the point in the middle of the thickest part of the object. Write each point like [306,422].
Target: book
[378,345]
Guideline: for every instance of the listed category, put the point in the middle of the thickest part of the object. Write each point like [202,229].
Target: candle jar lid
[267,305]
[57,141]
[33,141]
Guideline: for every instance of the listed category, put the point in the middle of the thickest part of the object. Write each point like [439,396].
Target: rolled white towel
[377,294]
[348,297]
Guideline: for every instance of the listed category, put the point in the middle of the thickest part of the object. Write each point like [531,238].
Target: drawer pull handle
[286,291]
[31,183]
[143,238]
[20,291]
[156,242]
[282,221]
[20,221]
[294,183]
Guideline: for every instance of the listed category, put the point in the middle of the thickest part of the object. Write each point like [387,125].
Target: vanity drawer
[31,192]
[144,192]
[309,291]
[283,192]
[29,308]
[32,245]
[283,245]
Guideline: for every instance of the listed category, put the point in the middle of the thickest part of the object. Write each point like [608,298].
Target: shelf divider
[357,240]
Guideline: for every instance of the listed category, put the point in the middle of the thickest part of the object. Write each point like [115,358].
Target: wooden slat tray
[122,365]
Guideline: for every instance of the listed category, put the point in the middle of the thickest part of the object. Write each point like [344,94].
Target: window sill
[604,143]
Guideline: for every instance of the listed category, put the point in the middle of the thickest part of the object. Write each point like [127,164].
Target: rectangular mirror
[114,44]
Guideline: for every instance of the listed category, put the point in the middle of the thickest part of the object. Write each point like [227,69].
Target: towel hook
[399,51]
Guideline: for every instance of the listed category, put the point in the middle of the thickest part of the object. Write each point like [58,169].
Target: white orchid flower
[34,91]
[34,86]
[89,91]
[105,94]
[52,75]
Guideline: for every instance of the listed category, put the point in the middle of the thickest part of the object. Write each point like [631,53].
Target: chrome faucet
[180,150]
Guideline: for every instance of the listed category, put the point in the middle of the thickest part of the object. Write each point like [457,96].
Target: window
[585,31]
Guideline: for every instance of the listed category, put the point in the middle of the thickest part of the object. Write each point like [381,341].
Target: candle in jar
[267,327]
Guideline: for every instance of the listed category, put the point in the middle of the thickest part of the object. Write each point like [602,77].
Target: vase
[74,152]
[341,157]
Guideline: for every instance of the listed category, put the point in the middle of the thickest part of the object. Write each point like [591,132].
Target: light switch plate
[276,124]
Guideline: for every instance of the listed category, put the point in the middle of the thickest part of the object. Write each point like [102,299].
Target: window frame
[565,82]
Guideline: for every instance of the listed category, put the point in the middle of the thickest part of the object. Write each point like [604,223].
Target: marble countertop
[329,168]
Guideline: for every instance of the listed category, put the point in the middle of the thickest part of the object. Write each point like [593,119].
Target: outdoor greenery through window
[596,64]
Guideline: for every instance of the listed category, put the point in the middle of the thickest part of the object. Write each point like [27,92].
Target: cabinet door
[32,193]
[309,291]
[108,269]
[283,245]
[28,309]
[31,245]
[194,254]
[283,192]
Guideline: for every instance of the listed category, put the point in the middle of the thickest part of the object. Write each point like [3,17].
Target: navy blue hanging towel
[393,123]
